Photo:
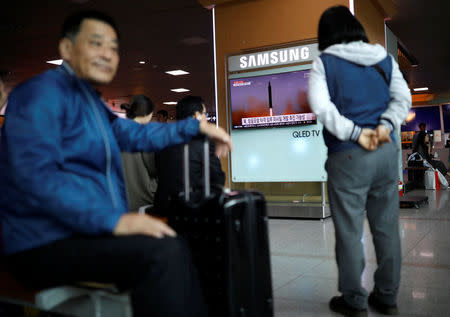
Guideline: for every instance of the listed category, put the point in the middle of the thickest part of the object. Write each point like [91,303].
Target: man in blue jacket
[63,207]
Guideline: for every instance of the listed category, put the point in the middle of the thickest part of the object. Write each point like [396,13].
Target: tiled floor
[305,273]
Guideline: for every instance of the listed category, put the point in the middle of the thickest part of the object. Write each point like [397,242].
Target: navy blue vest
[359,92]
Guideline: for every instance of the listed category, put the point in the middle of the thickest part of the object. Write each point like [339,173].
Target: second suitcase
[228,237]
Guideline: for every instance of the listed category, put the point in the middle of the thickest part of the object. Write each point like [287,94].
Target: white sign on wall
[278,57]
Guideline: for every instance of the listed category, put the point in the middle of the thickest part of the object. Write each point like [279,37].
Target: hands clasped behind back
[371,139]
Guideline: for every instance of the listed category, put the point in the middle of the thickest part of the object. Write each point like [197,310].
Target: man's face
[94,54]
[203,114]
[3,95]
[161,118]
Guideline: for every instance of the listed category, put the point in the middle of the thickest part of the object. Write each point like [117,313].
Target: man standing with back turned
[63,207]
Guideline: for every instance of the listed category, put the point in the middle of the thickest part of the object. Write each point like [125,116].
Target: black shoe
[381,307]
[340,306]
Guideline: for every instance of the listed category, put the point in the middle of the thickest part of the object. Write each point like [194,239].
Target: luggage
[430,179]
[416,173]
[228,237]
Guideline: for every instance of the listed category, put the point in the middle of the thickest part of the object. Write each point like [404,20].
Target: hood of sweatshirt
[358,52]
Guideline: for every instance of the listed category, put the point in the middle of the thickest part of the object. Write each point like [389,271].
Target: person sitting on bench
[63,207]
[169,161]
[139,167]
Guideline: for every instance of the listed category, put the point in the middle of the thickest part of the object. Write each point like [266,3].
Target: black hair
[140,106]
[187,107]
[338,25]
[163,112]
[3,74]
[72,24]
[422,124]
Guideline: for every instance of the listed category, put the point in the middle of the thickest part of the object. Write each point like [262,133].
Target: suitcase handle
[206,171]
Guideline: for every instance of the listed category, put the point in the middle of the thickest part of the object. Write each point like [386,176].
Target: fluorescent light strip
[177,72]
[179,90]
[351,6]
[421,89]
[141,62]
[55,62]
[170,103]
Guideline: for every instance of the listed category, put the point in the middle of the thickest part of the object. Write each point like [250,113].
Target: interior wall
[243,25]
[251,24]
[371,16]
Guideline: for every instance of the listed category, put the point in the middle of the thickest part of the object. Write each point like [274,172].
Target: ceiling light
[170,103]
[180,90]
[141,62]
[421,89]
[55,62]
[177,72]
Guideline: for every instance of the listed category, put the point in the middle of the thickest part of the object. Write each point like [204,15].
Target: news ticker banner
[281,120]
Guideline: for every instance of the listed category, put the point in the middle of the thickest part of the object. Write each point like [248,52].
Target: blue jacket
[60,162]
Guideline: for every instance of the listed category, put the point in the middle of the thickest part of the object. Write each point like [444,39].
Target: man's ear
[65,48]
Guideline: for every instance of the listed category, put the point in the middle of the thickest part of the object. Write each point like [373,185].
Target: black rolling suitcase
[416,174]
[228,237]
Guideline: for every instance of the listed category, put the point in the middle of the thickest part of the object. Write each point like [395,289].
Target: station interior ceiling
[177,34]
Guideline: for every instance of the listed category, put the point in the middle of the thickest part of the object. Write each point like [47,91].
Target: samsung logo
[289,55]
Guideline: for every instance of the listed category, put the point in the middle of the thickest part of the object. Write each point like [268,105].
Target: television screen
[429,115]
[271,100]
[446,117]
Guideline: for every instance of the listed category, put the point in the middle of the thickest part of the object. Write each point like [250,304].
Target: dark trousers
[158,272]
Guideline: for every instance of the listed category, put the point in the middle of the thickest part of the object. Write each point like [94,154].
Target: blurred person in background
[169,161]
[162,116]
[139,167]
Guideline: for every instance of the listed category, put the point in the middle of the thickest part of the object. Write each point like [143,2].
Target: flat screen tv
[273,100]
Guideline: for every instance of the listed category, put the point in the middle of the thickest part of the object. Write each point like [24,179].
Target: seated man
[169,162]
[63,207]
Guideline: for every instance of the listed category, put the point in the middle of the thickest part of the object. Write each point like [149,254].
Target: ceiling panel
[167,34]
[173,34]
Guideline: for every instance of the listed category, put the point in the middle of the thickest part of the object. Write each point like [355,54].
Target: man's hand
[368,139]
[218,135]
[134,223]
[383,134]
